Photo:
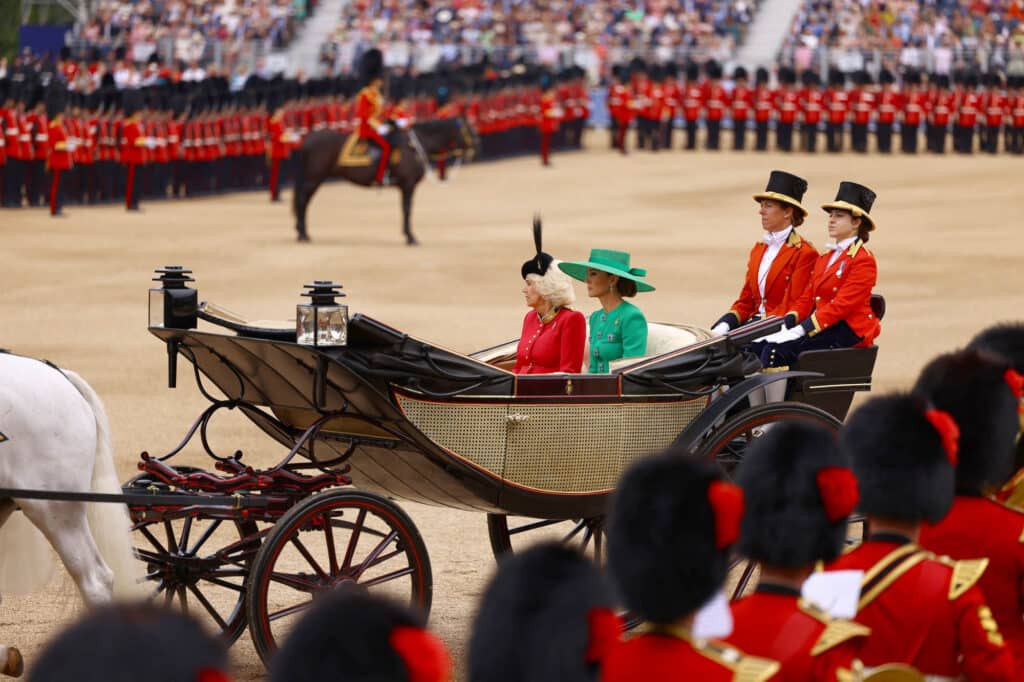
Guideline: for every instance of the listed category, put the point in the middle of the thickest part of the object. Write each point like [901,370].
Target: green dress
[622,333]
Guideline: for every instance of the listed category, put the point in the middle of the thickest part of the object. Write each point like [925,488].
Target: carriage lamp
[173,305]
[322,322]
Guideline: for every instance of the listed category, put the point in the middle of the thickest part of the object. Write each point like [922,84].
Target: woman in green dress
[617,329]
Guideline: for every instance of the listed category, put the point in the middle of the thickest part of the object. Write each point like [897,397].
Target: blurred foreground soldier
[129,643]
[923,610]
[133,146]
[352,636]
[780,263]
[672,523]
[799,491]
[982,393]
[59,159]
[546,616]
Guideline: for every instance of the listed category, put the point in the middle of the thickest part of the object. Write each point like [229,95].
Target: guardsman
[863,100]
[550,116]
[39,127]
[838,102]
[281,141]
[717,103]
[693,104]
[943,104]
[799,491]
[890,102]
[1015,128]
[779,265]
[620,108]
[640,85]
[915,101]
[996,106]
[923,610]
[59,154]
[656,113]
[369,105]
[671,526]
[764,108]
[176,143]
[787,103]
[4,104]
[446,108]
[982,393]
[742,107]
[15,169]
[968,104]
[812,103]
[25,127]
[133,145]
[673,102]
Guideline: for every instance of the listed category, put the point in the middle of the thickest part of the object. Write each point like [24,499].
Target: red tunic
[914,107]
[787,278]
[133,142]
[928,613]
[553,347]
[838,101]
[812,103]
[676,657]
[717,101]
[619,102]
[59,153]
[810,645]
[1003,581]
[550,113]
[889,102]
[742,103]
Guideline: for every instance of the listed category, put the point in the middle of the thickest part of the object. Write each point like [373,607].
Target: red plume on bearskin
[425,655]
[212,675]
[727,502]
[946,426]
[1015,380]
[605,632]
[839,492]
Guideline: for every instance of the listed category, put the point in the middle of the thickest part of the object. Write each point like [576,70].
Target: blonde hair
[555,286]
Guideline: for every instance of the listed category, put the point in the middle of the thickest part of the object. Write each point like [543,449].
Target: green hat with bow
[606,260]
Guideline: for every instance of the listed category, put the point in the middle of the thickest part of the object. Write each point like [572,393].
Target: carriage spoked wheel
[197,564]
[334,540]
[515,533]
[727,445]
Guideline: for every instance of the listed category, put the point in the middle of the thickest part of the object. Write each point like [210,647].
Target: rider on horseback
[369,105]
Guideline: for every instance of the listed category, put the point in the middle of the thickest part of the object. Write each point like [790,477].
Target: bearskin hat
[671,71]
[885,77]
[740,74]
[836,78]
[975,388]
[1006,340]
[637,65]
[692,72]
[903,453]
[912,77]
[671,523]
[798,491]
[546,615]
[809,78]
[786,75]
[132,101]
[56,100]
[371,66]
[761,76]
[713,69]
[357,637]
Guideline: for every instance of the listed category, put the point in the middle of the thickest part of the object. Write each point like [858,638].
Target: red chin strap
[839,492]
[948,430]
[1015,380]
[605,632]
[726,501]
[425,656]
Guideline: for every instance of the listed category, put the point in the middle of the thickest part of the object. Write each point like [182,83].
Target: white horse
[54,435]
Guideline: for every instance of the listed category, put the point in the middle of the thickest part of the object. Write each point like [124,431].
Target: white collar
[841,246]
[776,238]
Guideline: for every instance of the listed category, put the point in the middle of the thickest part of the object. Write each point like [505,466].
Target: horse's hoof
[303,237]
[412,241]
[14,666]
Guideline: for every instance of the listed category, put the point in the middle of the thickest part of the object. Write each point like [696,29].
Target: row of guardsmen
[978,111]
[187,140]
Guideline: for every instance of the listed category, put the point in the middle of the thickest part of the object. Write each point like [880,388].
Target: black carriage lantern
[322,322]
[173,305]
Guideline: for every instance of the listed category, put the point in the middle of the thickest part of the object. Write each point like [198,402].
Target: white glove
[720,329]
[784,336]
[383,129]
[402,123]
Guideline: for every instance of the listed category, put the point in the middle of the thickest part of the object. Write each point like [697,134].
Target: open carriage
[390,417]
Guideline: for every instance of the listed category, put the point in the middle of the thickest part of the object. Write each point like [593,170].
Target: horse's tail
[110,525]
[299,190]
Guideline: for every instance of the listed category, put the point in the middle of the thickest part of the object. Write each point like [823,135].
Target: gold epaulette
[744,668]
[837,630]
[1015,488]
[966,573]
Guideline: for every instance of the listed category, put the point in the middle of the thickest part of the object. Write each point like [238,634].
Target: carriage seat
[661,339]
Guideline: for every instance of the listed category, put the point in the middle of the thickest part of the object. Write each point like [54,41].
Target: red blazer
[810,645]
[841,292]
[677,657]
[927,612]
[553,347]
[1002,583]
[787,278]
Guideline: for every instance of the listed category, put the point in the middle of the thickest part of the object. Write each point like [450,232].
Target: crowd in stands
[922,595]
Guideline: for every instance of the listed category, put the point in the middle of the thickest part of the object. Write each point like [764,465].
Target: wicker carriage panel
[650,427]
[473,431]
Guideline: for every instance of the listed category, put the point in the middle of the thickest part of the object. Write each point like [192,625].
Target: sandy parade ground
[73,290]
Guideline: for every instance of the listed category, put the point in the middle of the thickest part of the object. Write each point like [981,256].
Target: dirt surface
[73,290]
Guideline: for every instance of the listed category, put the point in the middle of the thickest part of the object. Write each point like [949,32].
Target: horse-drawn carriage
[387,416]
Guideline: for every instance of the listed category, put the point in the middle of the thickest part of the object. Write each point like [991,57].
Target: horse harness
[5,351]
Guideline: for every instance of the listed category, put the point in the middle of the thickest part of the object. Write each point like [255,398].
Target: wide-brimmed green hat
[606,260]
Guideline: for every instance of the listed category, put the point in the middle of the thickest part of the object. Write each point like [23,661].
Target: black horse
[326,153]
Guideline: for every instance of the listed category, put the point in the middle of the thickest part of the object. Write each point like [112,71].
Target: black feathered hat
[539,264]
[784,187]
[978,390]
[352,635]
[546,615]
[798,490]
[857,199]
[371,66]
[671,523]
[903,453]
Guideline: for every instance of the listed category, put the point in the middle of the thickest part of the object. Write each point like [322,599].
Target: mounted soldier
[369,106]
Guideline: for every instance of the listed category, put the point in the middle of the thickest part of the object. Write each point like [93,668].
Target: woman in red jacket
[834,310]
[553,335]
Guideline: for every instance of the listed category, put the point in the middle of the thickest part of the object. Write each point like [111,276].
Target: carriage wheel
[197,564]
[516,533]
[728,443]
[331,540]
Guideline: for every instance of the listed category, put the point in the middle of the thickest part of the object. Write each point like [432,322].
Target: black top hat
[672,520]
[798,490]
[857,199]
[364,636]
[903,453]
[544,616]
[539,264]
[371,66]
[972,386]
[785,187]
